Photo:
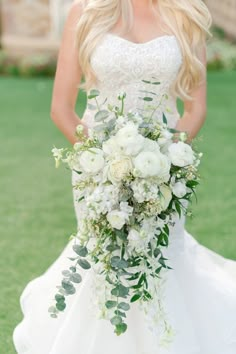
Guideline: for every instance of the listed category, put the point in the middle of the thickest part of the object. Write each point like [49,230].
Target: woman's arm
[194,111]
[67,78]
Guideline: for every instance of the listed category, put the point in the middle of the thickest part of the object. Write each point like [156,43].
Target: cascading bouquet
[132,180]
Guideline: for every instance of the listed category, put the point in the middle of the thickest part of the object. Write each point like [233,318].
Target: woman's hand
[67,79]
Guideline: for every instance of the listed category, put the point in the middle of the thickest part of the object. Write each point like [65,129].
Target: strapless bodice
[121,66]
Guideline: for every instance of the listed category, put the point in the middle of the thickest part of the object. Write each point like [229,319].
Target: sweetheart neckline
[141,43]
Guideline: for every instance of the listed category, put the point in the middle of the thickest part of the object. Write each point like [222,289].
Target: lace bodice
[120,66]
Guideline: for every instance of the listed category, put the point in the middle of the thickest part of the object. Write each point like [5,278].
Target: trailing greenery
[36,209]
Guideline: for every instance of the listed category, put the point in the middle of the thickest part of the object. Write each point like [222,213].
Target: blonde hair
[188,20]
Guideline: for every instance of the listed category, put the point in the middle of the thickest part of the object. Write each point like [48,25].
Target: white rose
[179,189]
[129,140]
[116,219]
[181,154]
[147,164]
[92,160]
[166,196]
[119,168]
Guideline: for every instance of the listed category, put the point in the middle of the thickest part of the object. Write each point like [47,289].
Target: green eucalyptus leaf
[59,297]
[101,115]
[120,291]
[119,313]
[116,320]
[61,306]
[123,306]
[80,250]
[68,287]
[66,273]
[84,264]
[93,93]
[110,304]
[76,278]
[120,328]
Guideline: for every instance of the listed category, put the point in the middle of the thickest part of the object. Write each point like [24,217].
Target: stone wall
[32,26]
[224,15]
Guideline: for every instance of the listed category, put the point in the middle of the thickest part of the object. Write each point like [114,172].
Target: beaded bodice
[120,66]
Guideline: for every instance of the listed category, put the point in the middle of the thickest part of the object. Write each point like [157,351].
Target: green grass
[36,210]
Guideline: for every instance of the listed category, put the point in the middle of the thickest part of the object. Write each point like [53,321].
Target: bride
[115,44]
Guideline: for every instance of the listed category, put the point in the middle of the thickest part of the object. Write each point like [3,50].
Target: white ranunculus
[147,164]
[166,196]
[165,137]
[181,154]
[179,189]
[92,160]
[129,140]
[119,168]
[151,145]
[116,218]
[164,173]
[110,147]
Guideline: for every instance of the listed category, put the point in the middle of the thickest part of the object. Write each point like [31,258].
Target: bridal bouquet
[132,181]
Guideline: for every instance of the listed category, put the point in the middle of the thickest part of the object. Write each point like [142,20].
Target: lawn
[36,209]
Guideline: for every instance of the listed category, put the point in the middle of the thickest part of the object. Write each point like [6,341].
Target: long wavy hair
[188,20]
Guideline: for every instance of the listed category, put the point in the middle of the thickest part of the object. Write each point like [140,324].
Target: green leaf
[116,262]
[120,291]
[93,93]
[80,250]
[113,247]
[120,328]
[66,273]
[123,306]
[84,264]
[52,309]
[121,234]
[178,208]
[157,271]
[101,115]
[116,320]
[61,306]
[110,304]
[68,286]
[76,278]
[73,269]
[136,297]
[148,99]
[119,313]
[59,297]
[156,252]
[164,118]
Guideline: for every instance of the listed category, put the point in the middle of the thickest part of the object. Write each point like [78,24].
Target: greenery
[36,199]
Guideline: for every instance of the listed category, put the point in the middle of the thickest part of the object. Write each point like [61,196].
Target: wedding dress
[199,292]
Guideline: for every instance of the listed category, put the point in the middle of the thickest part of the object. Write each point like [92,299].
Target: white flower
[165,137]
[57,154]
[116,218]
[147,164]
[79,129]
[166,196]
[145,189]
[151,145]
[129,140]
[119,168]
[111,147]
[126,209]
[92,160]
[179,189]
[181,154]
[165,165]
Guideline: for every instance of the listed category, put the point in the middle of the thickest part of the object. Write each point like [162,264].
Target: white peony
[181,154]
[147,164]
[179,189]
[129,139]
[92,160]
[119,168]
[116,218]
[166,196]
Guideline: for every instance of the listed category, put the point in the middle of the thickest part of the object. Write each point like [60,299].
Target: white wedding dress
[199,293]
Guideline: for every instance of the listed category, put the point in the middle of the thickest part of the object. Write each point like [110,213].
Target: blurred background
[36,210]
